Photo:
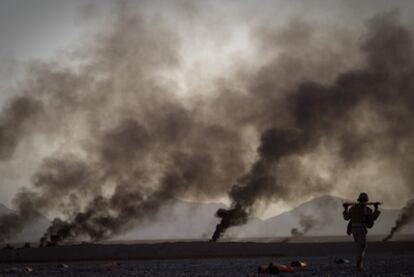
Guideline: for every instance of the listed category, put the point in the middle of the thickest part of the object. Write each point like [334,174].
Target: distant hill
[191,220]
[178,220]
[4,210]
[326,213]
[185,220]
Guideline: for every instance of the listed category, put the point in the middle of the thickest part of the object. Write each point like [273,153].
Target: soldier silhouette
[360,218]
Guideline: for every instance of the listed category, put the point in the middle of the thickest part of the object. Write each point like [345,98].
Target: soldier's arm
[376,213]
[370,218]
[346,213]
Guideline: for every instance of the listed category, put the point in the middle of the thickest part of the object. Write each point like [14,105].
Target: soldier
[360,218]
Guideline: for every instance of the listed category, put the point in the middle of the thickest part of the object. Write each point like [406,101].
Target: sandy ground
[206,259]
[376,265]
[189,250]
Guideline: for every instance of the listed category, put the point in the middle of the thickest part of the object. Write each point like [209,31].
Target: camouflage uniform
[361,217]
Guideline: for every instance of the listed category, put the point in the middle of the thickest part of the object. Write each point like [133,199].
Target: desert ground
[376,265]
[205,259]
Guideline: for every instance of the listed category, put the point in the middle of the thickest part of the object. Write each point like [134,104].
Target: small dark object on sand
[28,269]
[263,269]
[298,264]
[341,261]
[27,245]
[62,266]
[274,268]
[112,264]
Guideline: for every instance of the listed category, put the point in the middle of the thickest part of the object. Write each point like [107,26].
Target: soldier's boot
[360,260]
[360,265]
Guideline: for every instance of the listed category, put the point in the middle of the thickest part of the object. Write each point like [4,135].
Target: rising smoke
[322,215]
[129,144]
[322,112]
[306,223]
[406,216]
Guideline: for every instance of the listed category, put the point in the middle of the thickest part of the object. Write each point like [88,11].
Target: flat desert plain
[205,259]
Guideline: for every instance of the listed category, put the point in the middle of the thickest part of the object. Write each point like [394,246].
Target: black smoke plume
[321,113]
[15,119]
[306,223]
[321,215]
[259,182]
[406,216]
[128,145]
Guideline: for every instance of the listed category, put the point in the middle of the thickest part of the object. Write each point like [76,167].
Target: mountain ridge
[193,220]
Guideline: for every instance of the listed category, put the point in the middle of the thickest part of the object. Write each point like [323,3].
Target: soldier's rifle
[376,204]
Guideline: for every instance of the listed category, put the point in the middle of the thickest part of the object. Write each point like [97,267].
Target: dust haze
[308,110]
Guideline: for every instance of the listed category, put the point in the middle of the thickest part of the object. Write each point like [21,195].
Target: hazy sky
[209,37]
[39,29]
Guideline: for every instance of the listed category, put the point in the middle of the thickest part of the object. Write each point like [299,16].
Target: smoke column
[259,182]
[405,217]
[306,223]
[326,112]
[128,143]
[324,216]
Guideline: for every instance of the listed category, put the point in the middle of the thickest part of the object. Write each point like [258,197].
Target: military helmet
[363,197]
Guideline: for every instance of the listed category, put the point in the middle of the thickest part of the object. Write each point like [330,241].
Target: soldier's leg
[356,240]
[363,241]
[360,240]
[362,244]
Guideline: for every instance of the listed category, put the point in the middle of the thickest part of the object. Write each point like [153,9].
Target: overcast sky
[39,29]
